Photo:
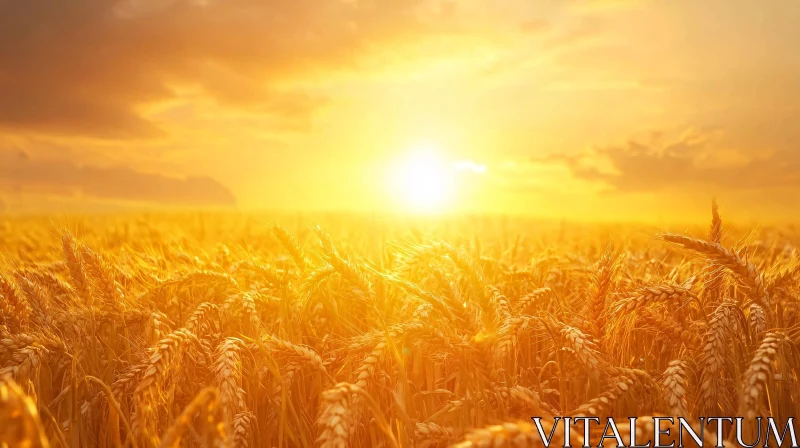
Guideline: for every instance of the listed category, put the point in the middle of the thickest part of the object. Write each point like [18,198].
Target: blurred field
[225,330]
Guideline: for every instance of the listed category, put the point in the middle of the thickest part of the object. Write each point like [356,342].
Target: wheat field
[215,329]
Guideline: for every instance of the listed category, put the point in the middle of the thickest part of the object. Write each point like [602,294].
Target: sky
[610,109]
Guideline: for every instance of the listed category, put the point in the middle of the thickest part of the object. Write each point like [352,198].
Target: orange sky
[609,109]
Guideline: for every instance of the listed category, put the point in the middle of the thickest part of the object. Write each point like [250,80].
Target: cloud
[19,173]
[89,67]
[694,159]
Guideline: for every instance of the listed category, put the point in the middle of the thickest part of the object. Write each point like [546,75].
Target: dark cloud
[19,173]
[88,66]
[695,159]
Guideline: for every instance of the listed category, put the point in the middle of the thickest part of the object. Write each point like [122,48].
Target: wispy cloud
[21,174]
[692,159]
[469,165]
[88,67]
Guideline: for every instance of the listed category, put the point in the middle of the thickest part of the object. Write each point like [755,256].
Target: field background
[225,329]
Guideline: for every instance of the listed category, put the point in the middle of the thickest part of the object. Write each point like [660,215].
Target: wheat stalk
[431,435]
[228,369]
[743,269]
[165,356]
[205,402]
[13,310]
[675,387]
[21,423]
[528,300]
[714,358]
[759,373]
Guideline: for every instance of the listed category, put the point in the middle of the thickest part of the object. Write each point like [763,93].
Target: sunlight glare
[424,180]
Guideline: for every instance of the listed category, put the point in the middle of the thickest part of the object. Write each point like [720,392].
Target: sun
[424,180]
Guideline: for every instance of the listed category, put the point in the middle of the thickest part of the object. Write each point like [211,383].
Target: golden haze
[349,223]
[609,110]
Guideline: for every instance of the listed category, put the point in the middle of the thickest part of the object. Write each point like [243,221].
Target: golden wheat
[232,331]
